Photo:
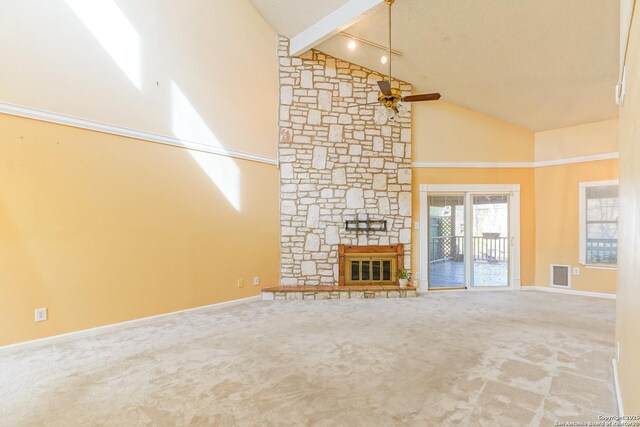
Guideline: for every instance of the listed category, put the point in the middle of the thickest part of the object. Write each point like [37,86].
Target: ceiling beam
[338,20]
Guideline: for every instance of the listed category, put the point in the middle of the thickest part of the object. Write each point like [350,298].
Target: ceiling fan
[391,97]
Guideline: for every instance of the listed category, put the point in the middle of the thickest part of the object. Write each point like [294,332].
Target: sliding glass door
[446,241]
[469,240]
[490,240]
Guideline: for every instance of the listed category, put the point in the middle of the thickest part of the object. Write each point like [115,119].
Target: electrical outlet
[241,283]
[40,314]
[576,271]
[618,352]
[416,225]
[256,281]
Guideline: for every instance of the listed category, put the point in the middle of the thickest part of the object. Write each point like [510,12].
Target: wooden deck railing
[484,249]
[602,251]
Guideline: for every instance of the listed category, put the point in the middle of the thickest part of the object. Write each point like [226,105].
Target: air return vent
[560,276]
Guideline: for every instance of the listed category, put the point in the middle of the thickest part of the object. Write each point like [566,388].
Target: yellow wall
[575,141]
[628,298]
[103,229]
[548,215]
[557,222]
[445,132]
[220,54]
[100,228]
[522,176]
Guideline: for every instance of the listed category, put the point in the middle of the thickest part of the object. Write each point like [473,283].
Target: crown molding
[62,119]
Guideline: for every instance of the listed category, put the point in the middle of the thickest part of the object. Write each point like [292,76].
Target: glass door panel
[386,270]
[376,270]
[365,272]
[490,241]
[446,241]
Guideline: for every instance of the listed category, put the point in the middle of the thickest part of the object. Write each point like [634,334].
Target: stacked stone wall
[338,158]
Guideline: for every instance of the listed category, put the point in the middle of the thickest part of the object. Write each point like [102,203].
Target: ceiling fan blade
[424,97]
[385,87]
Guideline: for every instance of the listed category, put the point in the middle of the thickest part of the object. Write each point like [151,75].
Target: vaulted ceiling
[539,64]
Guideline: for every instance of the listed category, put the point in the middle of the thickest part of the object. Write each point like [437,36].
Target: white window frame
[582,222]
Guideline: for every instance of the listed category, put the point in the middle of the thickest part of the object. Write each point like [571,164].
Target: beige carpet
[466,358]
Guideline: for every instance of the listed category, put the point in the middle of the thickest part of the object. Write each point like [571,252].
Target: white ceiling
[290,17]
[540,64]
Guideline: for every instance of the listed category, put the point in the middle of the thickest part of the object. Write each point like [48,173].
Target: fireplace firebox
[369,265]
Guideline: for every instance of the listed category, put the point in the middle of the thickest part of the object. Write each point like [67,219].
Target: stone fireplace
[340,160]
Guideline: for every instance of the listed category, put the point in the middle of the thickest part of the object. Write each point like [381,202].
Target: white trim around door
[468,189]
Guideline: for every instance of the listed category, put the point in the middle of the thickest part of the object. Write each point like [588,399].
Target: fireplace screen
[362,269]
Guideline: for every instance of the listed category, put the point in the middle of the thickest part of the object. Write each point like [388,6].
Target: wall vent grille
[560,276]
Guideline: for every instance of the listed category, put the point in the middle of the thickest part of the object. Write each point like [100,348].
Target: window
[599,223]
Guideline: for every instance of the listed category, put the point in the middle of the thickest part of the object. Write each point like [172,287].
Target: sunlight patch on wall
[115,33]
[188,126]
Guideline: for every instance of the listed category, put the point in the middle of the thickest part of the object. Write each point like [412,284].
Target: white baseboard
[569,292]
[100,329]
[616,387]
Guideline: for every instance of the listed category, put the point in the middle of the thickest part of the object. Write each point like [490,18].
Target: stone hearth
[337,292]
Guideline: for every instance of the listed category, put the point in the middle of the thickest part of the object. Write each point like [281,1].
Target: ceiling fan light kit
[390,97]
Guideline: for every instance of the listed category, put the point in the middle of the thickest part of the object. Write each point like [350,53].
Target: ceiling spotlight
[352,44]
[384,59]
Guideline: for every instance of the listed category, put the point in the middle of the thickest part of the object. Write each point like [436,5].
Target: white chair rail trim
[62,119]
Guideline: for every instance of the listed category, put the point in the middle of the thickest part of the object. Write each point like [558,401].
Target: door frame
[514,228]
